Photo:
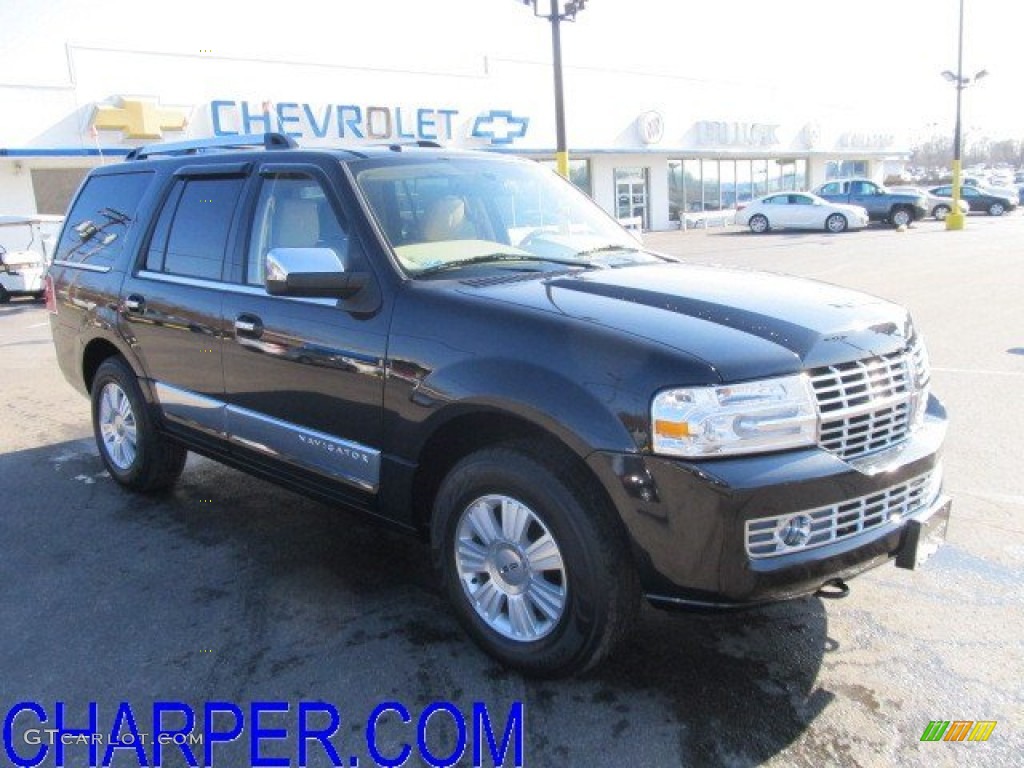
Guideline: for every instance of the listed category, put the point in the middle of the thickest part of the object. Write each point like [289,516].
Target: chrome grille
[869,405]
[838,522]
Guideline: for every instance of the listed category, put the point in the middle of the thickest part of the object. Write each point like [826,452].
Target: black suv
[464,346]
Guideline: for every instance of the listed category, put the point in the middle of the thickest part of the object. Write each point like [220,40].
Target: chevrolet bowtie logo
[500,126]
[139,119]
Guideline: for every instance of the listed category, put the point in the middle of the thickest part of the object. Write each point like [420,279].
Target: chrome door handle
[248,326]
[135,304]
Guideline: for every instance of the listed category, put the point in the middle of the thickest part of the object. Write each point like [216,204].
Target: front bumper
[687,520]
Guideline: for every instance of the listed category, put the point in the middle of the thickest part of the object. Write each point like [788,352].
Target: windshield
[441,213]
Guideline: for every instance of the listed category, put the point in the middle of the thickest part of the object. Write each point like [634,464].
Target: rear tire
[836,223]
[996,209]
[758,224]
[940,212]
[134,452]
[4,295]
[533,560]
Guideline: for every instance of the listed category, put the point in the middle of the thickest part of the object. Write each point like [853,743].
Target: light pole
[556,17]
[955,220]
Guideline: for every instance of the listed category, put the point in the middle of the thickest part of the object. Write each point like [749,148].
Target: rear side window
[192,231]
[100,218]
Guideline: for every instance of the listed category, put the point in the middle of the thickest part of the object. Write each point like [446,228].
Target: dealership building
[650,149]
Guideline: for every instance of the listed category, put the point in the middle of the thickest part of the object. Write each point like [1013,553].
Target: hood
[744,324]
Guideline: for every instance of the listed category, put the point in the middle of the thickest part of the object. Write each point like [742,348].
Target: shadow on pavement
[229,588]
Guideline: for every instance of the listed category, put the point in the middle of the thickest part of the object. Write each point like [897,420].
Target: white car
[26,248]
[800,210]
[938,206]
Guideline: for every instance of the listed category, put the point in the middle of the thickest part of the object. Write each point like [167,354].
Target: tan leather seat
[446,219]
[296,224]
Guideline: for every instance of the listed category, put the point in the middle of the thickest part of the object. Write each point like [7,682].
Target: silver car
[938,207]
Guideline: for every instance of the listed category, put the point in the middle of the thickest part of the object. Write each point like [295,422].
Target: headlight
[757,416]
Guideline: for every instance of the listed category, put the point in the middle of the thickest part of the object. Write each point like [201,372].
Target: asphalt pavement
[232,590]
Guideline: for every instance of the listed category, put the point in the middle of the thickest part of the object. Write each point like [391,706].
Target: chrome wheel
[901,218]
[996,209]
[940,212]
[758,224]
[117,426]
[511,568]
[836,223]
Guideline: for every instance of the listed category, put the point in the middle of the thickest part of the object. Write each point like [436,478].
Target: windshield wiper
[606,249]
[502,256]
[626,249]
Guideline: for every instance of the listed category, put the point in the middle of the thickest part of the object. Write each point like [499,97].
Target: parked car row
[843,204]
[939,206]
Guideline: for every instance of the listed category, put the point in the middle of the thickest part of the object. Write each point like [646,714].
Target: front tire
[758,224]
[532,559]
[836,223]
[135,454]
[941,212]
[901,217]
[4,295]
[996,209]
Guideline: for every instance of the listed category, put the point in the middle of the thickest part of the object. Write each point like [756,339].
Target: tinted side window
[831,189]
[198,235]
[100,218]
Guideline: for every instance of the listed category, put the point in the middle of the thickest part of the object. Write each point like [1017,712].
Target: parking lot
[231,589]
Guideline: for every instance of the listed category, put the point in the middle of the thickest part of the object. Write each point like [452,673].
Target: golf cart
[26,249]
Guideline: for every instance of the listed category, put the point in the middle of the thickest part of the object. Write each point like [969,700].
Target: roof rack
[400,145]
[199,146]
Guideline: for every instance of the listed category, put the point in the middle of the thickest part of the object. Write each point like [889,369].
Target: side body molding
[342,460]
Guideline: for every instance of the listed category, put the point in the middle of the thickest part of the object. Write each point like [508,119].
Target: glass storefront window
[727,174]
[800,175]
[676,189]
[843,169]
[744,183]
[712,190]
[759,170]
[712,185]
[787,173]
[774,176]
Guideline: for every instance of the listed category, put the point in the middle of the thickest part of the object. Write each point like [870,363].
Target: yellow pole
[562,163]
[955,220]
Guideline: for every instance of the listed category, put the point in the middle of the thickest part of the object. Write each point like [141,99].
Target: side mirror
[311,273]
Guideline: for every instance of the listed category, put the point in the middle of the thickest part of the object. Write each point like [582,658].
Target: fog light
[794,531]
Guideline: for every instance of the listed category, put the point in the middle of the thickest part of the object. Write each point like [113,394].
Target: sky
[884,57]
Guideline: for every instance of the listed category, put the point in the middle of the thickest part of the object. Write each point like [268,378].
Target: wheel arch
[470,429]
[94,353]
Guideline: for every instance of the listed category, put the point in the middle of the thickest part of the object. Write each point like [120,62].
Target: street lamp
[955,220]
[556,16]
